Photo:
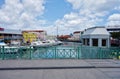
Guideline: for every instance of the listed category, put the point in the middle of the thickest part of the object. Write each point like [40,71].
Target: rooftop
[10,31]
[33,31]
[113,28]
[96,31]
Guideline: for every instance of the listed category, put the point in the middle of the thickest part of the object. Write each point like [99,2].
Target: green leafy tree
[115,35]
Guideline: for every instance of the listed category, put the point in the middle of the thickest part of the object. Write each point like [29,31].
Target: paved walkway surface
[60,69]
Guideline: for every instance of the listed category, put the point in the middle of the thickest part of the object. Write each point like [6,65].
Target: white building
[77,35]
[96,36]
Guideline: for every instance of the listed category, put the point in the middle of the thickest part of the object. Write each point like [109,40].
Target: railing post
[21,53]
[30,52]
[55,52]
[3,53]
[99,53]
[117,54]
[79,52]
[0,52]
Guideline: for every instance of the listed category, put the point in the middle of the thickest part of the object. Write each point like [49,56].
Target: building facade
[115,28]
[96,36]
[115,34]
[33,35]
[77,35]
[8,35]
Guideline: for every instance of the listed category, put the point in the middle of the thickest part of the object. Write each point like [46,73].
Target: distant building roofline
[96,31]
[113,28]
[33,31]
[77,32]
[95,27]
[9,31]
[1,29]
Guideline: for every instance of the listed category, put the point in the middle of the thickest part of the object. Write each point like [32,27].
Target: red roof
[33,31]
[64,36]
[77,32]
[1,29]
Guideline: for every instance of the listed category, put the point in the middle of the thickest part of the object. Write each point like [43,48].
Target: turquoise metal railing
[59,52]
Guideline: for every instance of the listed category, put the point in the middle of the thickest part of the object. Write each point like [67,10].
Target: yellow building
[33,35]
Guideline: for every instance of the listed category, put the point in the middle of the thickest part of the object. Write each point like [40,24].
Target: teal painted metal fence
[80,52]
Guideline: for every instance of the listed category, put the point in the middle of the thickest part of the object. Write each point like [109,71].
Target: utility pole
[57,32]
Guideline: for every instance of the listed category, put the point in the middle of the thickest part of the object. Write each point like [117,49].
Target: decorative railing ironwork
[59,52]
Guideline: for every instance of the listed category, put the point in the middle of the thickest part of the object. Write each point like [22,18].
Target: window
[87,41]
[95,42]
[83,41]
[103,42]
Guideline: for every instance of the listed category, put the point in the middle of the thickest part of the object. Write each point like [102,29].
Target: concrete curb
[38,68]
[43,68]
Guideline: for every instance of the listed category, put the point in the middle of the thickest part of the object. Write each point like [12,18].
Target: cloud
[114,19]
[34,7]
[26,14]
[22,14]
[73,22]
[117,8]
[99,5]
[87,13]
[71,16]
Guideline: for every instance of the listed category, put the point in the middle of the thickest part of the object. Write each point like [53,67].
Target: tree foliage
[115,35]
